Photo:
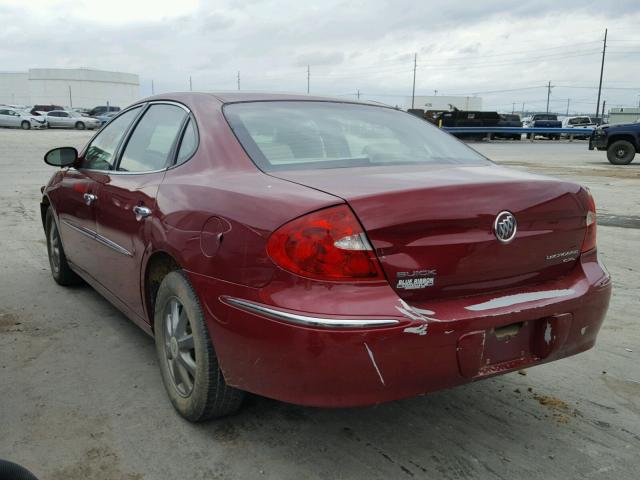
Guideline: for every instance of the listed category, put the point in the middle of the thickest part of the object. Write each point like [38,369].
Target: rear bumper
[427,347]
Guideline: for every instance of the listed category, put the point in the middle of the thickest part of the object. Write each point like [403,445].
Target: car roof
[234,97]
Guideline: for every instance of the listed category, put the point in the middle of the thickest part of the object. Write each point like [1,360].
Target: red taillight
[589,242]
[326,245]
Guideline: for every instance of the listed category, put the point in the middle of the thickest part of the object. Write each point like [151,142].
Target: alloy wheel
[179,347]
[54,247]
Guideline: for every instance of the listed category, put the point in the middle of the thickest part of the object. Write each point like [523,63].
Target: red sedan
[321,252]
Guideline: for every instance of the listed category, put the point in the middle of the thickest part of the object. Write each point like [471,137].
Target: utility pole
[70,99]
[238,79]
[190,84]
[604,49]
[523,108]
[548,94]
[513,107]
[604,103]
[413,91]
[435,93]
[568,101]
[358,94]
[308,77]
[152,89]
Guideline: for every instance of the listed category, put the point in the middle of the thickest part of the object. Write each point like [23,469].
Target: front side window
[101,153]
[152,141]
[302,134]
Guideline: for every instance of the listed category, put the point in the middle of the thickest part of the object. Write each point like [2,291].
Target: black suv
[102,109]
[44,108]
[620,141]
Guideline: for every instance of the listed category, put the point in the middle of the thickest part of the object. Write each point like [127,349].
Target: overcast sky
[463,46]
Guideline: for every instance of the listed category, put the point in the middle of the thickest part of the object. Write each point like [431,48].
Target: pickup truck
[621,142]
[509,120]
[543,120]
[578,123]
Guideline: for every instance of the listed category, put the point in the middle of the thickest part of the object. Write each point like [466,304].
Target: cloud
[319,58]
[368,45]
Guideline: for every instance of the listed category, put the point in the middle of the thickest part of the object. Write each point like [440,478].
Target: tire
[188,363]
[60,270]
[13,471]
[80,126]
[25,125]
[621,152]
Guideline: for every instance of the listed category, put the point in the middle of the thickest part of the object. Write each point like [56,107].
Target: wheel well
[628,138]
[158,266]
[44,206]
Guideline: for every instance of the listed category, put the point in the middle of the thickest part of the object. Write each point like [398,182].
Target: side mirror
[61,157]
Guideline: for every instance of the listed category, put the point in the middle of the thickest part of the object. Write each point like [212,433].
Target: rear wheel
[621,152]
[25,125]
[60,270]
[188,363]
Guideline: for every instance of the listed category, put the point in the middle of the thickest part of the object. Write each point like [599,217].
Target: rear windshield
[287,135]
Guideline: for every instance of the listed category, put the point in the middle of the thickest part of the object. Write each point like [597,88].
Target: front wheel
[188,363]
[25,125]
[60,270]
[80,126]
[621,152]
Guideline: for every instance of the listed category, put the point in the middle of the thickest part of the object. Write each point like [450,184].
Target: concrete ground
[81,395]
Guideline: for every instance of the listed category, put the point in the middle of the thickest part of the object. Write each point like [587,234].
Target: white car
[15,118]
[66,119]
[580,122]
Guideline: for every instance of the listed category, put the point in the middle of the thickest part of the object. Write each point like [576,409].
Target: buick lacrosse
[320,252]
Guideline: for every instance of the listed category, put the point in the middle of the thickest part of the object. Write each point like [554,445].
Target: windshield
[284,135]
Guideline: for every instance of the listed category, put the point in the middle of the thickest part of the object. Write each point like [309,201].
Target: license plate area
[511,346]
[508,342]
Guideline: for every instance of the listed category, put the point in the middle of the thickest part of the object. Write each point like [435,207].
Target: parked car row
[54,116]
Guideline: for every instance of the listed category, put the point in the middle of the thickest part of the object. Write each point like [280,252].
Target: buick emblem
[505,227]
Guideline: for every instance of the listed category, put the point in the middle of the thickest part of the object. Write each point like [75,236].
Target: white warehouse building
[444,102]
[77,88]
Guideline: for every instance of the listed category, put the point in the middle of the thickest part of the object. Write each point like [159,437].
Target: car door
[128,198]
[5,118]
[75,197]
[65,119]
[52,119]
[15,118]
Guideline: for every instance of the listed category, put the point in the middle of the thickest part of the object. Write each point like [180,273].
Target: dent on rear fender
[220,247]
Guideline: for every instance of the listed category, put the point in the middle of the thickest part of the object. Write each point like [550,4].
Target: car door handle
[89,198]
[141,212]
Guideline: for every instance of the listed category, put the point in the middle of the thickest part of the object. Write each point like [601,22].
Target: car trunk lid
[432,227]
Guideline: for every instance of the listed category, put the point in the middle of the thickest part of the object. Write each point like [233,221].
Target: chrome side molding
[98,238]
[306,320]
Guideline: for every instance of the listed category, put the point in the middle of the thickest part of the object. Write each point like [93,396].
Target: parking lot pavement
[81,395]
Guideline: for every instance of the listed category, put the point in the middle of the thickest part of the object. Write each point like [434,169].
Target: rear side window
[153,139]
[188,144]
[100,154]
[283,135]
